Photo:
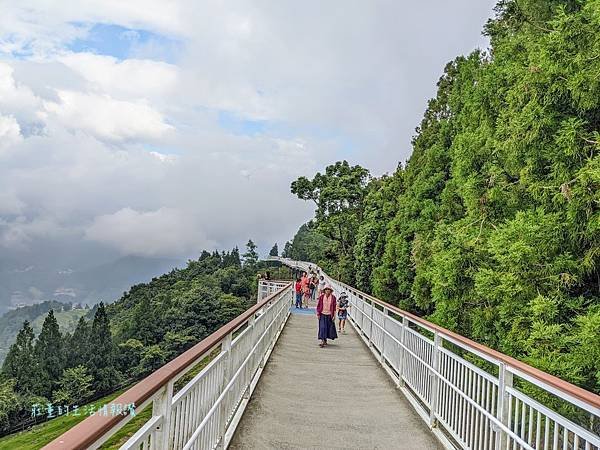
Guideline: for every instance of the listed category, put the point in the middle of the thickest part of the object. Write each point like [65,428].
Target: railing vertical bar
[547,433]
[433,388]
[478,416]
[486,422]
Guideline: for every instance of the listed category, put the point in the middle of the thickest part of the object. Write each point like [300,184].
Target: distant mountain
[25,283]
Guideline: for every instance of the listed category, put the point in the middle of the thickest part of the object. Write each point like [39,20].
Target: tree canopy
[492,227]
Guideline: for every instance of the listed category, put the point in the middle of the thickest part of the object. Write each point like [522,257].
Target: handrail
[575,391]
[464,405]
[92,429]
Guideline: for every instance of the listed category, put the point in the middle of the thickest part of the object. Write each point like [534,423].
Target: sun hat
[328,286]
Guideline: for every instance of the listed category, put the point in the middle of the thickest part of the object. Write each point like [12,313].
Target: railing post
[370,323]
[434,384]
[251,322]
[223,410]
[161,406]
[404,324]
[382,356]
[505,380]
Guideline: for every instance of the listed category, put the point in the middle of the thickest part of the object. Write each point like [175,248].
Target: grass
[67,320]
[121,436]
[39,435]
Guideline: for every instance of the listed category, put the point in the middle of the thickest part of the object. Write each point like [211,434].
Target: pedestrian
[305,281]
[314,283]
[298,289]
[321,285]
[306,296]
[343,305]
[326,313]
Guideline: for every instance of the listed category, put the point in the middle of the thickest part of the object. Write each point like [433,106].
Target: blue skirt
[327,327]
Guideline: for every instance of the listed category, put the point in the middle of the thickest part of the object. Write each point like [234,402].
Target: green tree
[251,255]
[274,251]
[77,344]
[101,357]
[74,386]
[152,358]
[49,354]
[21,363]
[10,402]
[287,250]
[338,195]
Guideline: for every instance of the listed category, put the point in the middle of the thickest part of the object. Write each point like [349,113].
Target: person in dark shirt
[343,305]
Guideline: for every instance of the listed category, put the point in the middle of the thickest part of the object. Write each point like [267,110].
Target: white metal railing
[268,287]
[202,412]
[205,412]
[465,406]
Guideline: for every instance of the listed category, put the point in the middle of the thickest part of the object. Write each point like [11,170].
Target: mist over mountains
[25,282]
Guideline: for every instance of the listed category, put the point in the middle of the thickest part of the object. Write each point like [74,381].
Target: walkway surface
[338,397]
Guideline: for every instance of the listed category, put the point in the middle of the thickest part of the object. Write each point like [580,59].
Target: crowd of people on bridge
[313,286]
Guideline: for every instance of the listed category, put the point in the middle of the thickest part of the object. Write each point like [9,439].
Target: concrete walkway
[337,397]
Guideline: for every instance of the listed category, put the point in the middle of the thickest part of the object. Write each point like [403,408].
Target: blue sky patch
[123,43]
[239,125]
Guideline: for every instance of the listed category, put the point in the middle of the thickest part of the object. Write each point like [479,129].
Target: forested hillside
[151,324]
[12,321]
[492,227]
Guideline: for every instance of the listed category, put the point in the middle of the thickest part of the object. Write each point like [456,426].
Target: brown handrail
[87,432]
[575,391]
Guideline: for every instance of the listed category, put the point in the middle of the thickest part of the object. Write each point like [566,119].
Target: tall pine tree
[20,362]
[78,344]
[101,358]
[49,353]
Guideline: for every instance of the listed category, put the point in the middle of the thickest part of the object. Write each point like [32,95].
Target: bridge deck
[331,398]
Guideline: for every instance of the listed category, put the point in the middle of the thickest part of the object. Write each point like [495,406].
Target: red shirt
[298,287]
[333,304]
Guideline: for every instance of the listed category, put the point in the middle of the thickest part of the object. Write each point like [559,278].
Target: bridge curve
[461,393]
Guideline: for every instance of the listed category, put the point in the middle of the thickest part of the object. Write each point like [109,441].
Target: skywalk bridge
[394,381]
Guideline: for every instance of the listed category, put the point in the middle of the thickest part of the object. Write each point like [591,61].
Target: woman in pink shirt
[326,305]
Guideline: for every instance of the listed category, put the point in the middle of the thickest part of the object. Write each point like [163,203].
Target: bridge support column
[505,380]
[435,380]
[161,406]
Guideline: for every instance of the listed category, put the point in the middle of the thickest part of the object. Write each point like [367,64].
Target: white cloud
[10,203]
[131,77]
[165,231]
[129,154]
[106,117]
[10,132]
[16,98]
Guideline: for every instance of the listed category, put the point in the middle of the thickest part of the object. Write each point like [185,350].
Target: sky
[159,128]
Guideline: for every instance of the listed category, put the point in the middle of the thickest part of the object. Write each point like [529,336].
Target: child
[298,288]
[343,305]
[306,296]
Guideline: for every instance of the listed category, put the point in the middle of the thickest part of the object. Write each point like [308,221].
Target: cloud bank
[163,128]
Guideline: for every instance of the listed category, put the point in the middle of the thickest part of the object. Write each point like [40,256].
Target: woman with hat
[326,313]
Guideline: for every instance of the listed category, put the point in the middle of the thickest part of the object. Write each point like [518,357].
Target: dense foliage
[126,340]
[492,228]
[12,321]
